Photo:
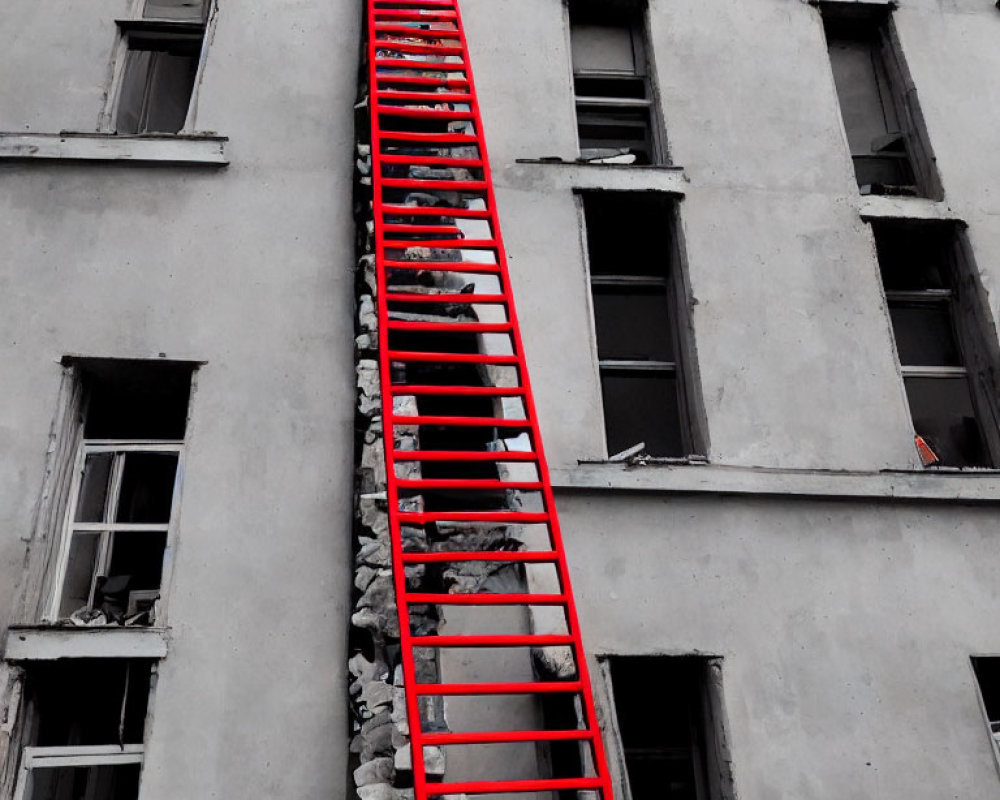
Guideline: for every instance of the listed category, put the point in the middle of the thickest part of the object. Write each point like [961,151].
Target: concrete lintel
[67,146]
[887,207]
[935,486]
[46,643]
[569,175]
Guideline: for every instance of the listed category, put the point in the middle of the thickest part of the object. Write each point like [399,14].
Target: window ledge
[937,485]
[896,207]
[195,149]
[557,174]
[49,642]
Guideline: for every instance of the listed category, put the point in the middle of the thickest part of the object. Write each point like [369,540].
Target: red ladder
[423,104]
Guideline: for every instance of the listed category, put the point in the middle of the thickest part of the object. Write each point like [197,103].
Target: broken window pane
[147,488]
[80,570]
[642,406]
[185,10]
[96,782]
[602,48]
[94,488]
[943,414]
[924,334]
[632,323]
[136,563]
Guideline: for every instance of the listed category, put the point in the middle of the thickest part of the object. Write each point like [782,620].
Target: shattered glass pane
[138,556]
[944,416]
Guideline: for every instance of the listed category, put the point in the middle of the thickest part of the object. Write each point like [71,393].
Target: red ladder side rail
[412,92]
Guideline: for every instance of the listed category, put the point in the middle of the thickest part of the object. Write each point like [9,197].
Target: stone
[379,770]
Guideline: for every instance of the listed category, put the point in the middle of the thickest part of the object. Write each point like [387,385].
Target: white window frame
[134,17]
[33,758]
[122,447]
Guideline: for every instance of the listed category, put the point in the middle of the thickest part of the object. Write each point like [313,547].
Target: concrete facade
[844,587]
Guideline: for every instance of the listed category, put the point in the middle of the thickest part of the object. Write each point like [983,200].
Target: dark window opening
[884,129]
[614,100]
[673,735]
[630,248]
[921,278]
[987,671]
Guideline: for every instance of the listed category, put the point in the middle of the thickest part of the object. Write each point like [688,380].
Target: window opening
[614,100]
[920,278]
[987,671]
[162,55]
[84,729]
[629,246]
[124,492]
[673,740]
[884,128]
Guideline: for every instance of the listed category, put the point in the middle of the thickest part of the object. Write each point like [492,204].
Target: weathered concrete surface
[846,630]
[250,270]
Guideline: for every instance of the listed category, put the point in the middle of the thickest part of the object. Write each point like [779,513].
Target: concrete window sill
[48,642]
[581,175]
[180,149]
[888,207]
[961,486]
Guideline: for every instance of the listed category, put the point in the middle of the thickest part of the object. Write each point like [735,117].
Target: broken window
[932,322]
[673,739]
[83,729]
[611,82]
[884,128]
[630,250]
[987,671]
[162,53]
[124,492]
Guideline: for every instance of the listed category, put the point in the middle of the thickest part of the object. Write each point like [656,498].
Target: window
[162,53]
[932,322]
[884,128]
[630,250]
[83,729]
[670,727]
[611,83]
[987,671]
[124,493]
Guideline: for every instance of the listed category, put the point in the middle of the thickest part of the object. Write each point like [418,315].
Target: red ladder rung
[414,47]
[442,266]
[402,14]
[430,161]
[440,244]
[472,484]
[423,113]
[431,66]
[474,422]
[471,689]
[457,327]
[521,599]
[537,640]
[434,3]
[513,556]
[417,33]
[428,138]
[454,358]
[435,229]
[463,455]
[421,517]
[453,391]
[500,787]
[435,211]
[434,183]
[422,80]
[500,737]
[449,298]
[427,160]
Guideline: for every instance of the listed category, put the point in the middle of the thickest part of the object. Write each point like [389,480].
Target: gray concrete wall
[248,269]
